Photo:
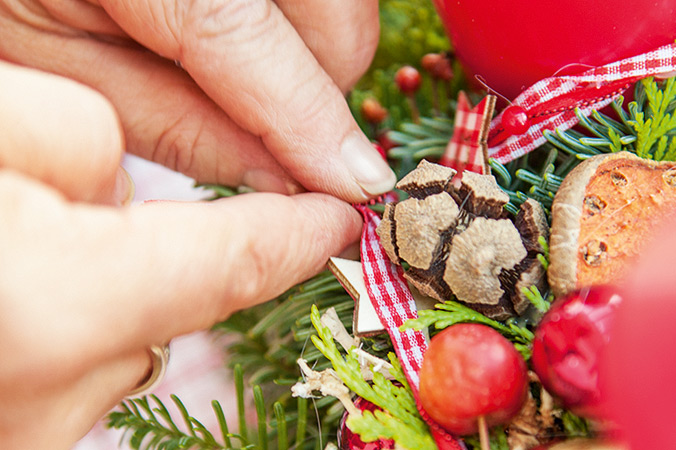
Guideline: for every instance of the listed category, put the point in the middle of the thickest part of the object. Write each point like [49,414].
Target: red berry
[372,111]
[438,66]
[430,61]
[515,120]
[469,371]
[408,79]
[444,68]
[567,346]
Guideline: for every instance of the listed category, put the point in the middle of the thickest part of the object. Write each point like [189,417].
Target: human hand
[257,102]
[85,289]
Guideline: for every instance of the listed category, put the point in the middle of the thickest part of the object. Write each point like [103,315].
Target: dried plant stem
[484,440]
[413,104]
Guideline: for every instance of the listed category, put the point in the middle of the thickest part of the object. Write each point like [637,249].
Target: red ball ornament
[471,371]
[567,347]
[514,44]
[348,440]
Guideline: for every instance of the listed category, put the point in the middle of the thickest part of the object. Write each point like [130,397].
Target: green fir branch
[537,300]
[399,420]
[544,256]
[151,426]
[647,126]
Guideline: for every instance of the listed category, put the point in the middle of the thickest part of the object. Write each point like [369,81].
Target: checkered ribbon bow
[394,305]
[467,148]
[551,103]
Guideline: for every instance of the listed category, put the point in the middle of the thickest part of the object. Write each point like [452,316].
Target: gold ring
[159,356]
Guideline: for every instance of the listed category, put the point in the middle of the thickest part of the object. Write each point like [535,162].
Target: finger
[342,35]
[83,15]
[165,117]
[69,408]
[250,60]
[62,133]
[153,271]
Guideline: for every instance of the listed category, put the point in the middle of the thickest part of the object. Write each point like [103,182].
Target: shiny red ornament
[469,371]
[512,45]
[567,347]
[515,120]
[347,440]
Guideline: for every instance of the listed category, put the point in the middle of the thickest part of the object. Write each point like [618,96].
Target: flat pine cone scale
[460,241]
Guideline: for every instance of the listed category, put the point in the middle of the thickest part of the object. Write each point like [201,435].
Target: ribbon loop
[551,103]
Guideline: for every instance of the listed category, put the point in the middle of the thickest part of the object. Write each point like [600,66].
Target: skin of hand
[86,286]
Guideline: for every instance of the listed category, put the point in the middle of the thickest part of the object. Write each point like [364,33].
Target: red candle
[511,45]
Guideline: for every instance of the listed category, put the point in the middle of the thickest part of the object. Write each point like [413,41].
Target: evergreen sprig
[451,312]
[399,419]
[152,426]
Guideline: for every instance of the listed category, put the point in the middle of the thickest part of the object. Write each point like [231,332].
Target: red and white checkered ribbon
[467,148]
[550,103]
[394,305]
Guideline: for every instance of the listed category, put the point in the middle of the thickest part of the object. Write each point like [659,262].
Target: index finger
[248,58]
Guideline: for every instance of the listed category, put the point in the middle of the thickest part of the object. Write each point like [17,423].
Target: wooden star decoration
[468,147]
[365,320]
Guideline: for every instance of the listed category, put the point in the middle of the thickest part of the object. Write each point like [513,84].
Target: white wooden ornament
[365,321]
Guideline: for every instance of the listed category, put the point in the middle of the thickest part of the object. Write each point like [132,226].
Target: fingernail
[367,167]
[124,187]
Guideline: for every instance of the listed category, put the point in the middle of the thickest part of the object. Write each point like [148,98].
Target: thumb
[63,134]
[251,61]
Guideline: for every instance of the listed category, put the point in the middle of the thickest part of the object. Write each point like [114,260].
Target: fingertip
[368,168]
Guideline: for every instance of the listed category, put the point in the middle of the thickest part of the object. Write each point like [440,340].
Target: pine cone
[460,240]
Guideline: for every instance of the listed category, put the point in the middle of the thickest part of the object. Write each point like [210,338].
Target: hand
[257,101]
[85,289]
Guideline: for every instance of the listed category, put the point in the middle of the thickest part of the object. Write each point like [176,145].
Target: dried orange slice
[604,212]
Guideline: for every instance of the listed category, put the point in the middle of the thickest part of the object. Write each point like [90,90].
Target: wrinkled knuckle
[177,145]
[232,19]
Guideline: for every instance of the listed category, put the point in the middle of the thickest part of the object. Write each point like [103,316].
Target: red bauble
[514,44]
[567,347]
[471,370]
[347,440]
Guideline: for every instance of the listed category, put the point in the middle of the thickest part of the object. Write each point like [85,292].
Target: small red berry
[372,111]
[408,79]
[438,66]
[430,61]
[568,344]
[515,120]
[471,371]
